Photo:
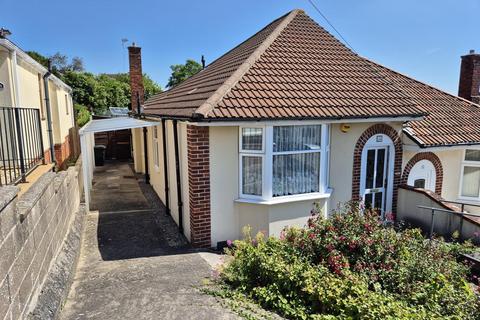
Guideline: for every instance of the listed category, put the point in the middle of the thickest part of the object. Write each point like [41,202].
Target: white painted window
[470,179]
[156,149]
[283,161]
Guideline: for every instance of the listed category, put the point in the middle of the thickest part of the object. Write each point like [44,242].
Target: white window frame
[267,165]
[467,163]
[156,149]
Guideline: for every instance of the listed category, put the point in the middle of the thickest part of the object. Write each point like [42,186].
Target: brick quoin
[387,130]
[432,157]
[198,154]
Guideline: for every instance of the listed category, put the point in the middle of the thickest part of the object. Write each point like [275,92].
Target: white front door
[423,175]
[377,173]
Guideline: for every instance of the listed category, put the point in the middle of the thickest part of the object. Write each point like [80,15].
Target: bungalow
[291,117]
[36,114]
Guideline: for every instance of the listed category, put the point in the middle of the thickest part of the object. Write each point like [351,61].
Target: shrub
[351,266]
[83,115]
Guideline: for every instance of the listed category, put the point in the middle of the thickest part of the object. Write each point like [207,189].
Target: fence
[21,143]
[446,221]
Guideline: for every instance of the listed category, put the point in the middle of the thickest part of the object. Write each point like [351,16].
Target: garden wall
[445,224]
[33,228]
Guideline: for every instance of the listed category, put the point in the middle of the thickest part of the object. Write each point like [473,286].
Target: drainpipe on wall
[179,182]
[145,155]
[49,114]
[13,61]
[165,166]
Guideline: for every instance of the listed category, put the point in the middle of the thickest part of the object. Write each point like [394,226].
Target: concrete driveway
[134,264]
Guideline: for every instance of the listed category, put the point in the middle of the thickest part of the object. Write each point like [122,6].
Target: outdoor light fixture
[345,128]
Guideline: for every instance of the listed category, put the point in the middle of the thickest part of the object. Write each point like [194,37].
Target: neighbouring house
[36,115]
[290,117]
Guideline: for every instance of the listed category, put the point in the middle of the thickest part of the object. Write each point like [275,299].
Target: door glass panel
[378,201]
[419,183]
[368,200]
[380,168]
[370,169]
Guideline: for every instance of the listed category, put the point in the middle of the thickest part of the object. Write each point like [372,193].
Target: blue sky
[420,38]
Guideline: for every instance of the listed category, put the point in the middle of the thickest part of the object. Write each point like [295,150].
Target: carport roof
[118,123]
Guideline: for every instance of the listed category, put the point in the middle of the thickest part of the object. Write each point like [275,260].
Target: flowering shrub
[352,266]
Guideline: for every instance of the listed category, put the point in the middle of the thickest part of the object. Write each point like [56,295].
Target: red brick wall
[136,80]
[432,157]
[62,152]
[385,129]
[198,149]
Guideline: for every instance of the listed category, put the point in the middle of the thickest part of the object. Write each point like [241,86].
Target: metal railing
[21,143]
[462,214]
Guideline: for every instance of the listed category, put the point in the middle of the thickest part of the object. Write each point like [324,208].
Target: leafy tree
[94,92]
[82,114]
[181,72]
[39,58]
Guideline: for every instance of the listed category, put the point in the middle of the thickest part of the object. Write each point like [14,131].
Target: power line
[331,25]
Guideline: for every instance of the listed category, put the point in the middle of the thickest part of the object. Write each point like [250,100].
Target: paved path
[134,264]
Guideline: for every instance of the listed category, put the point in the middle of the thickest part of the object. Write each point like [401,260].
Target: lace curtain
[296,160]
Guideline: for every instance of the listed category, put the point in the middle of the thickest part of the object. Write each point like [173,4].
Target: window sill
[288,199]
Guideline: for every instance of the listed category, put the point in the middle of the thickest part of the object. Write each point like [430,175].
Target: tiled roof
[294,69]
[450,121]
[291,69]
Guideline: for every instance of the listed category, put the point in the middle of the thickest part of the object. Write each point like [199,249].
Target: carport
[87,142]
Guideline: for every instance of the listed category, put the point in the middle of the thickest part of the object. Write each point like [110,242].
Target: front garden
[350,267]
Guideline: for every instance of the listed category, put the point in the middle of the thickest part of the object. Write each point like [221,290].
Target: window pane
[368,200]
[296,174]
[472,155]
[471,181]
[370,168]
[378,200]
[296,138]
[252,175]
[252,139]
[380,168]
[419,183]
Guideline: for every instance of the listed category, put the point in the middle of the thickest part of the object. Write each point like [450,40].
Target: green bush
[83,115]
[351,266]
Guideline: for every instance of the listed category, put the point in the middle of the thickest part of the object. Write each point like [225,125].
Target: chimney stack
[136,79]
[469,85]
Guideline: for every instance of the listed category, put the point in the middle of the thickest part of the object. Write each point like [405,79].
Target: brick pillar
[199,185]
[136,79]
[469,84]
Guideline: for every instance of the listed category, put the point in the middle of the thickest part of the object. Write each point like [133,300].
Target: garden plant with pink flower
[352,266]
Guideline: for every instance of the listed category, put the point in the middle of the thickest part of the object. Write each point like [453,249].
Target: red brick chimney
[469,85]
[136,80]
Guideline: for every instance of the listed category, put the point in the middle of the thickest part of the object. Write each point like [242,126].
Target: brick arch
[437,164]
[387,130]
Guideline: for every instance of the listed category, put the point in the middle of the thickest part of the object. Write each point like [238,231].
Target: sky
[420,38]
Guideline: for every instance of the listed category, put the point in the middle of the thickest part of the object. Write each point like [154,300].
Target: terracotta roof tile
[293,69]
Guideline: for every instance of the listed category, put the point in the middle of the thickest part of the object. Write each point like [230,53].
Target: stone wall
[32,231]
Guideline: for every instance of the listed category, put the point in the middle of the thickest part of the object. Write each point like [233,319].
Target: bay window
[470,186]
[283,161]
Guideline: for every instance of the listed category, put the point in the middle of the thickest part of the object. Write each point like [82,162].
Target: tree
[59,62]
[99,92]
[39,58]
[181,72]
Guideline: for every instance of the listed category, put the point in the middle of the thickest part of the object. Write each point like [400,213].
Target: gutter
[229,121]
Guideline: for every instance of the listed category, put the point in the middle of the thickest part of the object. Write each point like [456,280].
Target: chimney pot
[472,51]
